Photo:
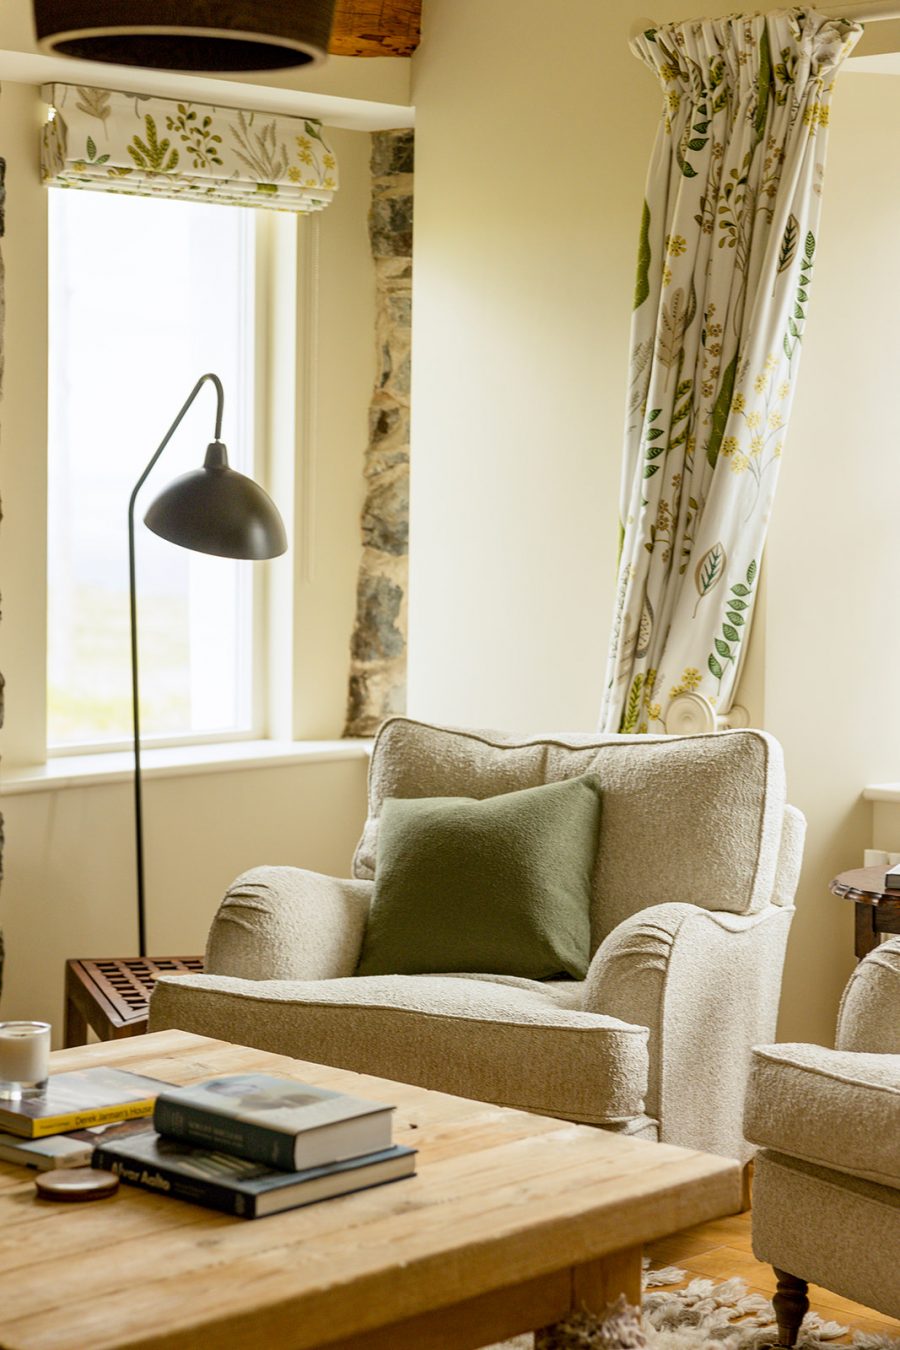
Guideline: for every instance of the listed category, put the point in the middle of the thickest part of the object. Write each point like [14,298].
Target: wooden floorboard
[722,1249]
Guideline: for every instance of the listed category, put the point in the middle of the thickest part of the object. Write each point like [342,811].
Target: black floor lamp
[213,509]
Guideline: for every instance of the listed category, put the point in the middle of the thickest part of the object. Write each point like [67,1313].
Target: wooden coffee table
[512,1220]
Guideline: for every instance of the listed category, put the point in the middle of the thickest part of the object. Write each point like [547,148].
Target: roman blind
[155,147]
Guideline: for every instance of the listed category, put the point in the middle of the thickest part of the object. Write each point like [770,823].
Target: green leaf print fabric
[157,147]
[726,267]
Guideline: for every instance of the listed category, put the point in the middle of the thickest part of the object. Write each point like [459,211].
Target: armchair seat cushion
[510,1041]
[831,1108]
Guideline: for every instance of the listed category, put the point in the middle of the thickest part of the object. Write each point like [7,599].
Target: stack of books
[249,1144]
[255,1144]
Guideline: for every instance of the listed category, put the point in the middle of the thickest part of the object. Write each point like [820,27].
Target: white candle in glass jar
[24,1052]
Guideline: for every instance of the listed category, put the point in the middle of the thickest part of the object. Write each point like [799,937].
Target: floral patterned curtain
[147,146]
[726,264]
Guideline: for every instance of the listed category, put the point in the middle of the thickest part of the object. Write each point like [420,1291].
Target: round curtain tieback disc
[690,715]
[202,35]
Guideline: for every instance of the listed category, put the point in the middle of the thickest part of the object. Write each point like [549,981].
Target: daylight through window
[145,296]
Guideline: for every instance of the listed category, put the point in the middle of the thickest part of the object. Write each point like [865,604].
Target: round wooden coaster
[76,1183]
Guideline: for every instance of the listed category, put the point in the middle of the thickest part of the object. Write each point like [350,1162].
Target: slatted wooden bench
[111,994]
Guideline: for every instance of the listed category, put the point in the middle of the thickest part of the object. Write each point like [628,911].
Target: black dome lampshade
[203,35]
[218,510]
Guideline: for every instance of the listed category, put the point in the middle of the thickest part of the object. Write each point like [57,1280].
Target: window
[145,296]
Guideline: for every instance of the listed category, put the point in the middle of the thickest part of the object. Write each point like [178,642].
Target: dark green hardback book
[237,1185]
[277,1121]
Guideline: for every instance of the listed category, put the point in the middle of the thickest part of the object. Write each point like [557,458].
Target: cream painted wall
[886,823]
[529,178]
[832,642]
[69,886]
[532,145]
[69,862]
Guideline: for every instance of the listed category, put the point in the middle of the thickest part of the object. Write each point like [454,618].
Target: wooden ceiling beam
[376,27]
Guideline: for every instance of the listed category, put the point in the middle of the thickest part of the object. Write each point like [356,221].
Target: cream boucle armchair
[696,870]
[826,1186]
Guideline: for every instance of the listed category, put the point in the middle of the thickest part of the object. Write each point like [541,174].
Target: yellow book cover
[76,1100]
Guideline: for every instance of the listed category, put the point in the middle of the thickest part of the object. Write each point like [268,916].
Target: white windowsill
[173,762]
[882,792]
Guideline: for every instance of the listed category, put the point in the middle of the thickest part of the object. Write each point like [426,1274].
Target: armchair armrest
[831,1108]
[284,923]
[706,984]
[868,1018]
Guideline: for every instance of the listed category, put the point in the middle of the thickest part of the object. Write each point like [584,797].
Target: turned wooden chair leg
[791,1306]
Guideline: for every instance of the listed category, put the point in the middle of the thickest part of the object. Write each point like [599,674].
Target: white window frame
[320,384]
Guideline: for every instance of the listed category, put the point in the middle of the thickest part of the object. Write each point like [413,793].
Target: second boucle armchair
[826,1187]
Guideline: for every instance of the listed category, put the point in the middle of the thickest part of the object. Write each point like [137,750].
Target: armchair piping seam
[784,1161]
[360,1004]
[830,1166]
[830,1076]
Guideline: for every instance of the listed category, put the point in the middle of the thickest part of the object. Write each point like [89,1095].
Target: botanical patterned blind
[156,147]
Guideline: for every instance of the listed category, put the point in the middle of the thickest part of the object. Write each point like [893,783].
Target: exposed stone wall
[378,646]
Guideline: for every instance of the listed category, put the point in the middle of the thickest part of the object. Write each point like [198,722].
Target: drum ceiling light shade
[201,35]
[218,510]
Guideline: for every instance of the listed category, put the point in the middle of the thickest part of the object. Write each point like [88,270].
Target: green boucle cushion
[500,886]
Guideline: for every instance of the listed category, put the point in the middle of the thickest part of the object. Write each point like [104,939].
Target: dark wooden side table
[877,910]
[110,994]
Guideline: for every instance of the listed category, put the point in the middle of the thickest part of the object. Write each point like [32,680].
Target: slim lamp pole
[135,693]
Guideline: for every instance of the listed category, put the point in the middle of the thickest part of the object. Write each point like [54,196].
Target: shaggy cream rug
[702,1316]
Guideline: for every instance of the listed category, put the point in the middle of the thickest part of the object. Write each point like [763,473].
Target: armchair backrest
[696,819]
[869,1016]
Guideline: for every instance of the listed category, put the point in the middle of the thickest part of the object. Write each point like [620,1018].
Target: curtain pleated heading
[155,147]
